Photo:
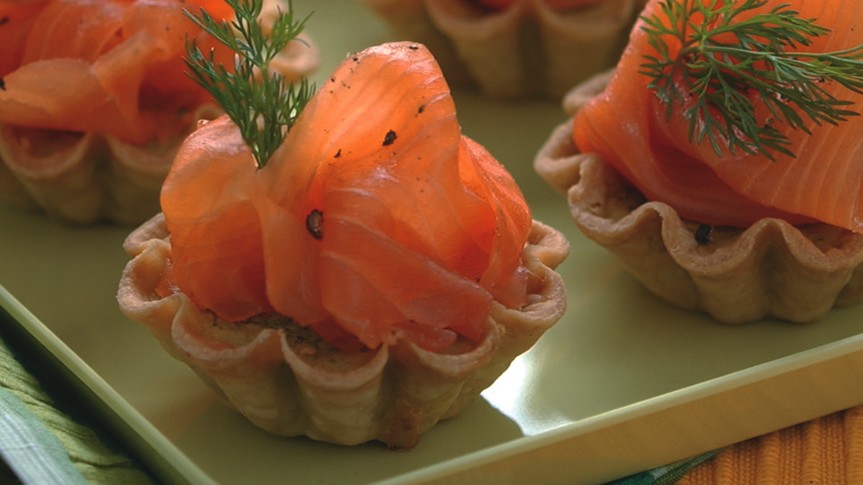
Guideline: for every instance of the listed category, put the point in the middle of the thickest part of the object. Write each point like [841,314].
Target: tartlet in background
[749,261]
[771,269]
[524,48]
[96,102]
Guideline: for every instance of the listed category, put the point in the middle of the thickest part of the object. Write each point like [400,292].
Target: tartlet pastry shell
[770,269]
[524,50]
[85,178]
[289,384]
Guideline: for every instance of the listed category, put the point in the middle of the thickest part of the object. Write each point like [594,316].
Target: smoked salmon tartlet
[515,48]
[713,223]
[95,100]
[370,280]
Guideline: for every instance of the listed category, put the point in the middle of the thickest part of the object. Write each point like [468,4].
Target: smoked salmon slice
[376,218]
[120,62]
[16,19]
[822,183]
[212,180]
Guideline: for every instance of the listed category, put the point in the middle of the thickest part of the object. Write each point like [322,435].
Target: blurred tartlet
[737,234]
[515,48]
[95,102]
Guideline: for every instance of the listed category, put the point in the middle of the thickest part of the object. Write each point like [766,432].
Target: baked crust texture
[771,269]
[284,379]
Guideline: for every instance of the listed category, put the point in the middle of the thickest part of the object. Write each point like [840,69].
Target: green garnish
[725,61]
[258,101]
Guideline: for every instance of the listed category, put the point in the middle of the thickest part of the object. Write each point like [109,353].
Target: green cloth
[665,475]
[43,445]
[32,452]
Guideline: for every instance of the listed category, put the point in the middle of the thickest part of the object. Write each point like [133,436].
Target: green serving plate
[621,384]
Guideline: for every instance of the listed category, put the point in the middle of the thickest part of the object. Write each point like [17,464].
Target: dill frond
[726,60]
[260,102]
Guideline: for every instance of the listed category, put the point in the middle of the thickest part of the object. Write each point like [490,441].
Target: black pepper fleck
[413,47]
[389,138]
[702,234]
[4,20]
[338,153]
[421,109]
[314,222]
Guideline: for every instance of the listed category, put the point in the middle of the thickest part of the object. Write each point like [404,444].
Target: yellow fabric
[825,451]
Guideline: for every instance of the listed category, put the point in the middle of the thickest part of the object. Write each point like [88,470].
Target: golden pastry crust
[85,178]
[770,269]
[284,379]
[527,49]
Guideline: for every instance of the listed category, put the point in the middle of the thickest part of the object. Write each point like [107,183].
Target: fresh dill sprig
[727,59]
[258,101]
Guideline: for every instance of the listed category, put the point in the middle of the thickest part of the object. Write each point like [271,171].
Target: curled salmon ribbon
[376,220]
[824,183]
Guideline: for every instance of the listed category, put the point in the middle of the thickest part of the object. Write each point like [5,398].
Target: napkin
[41,444]
[827,450]
[32,452]
[666,475]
